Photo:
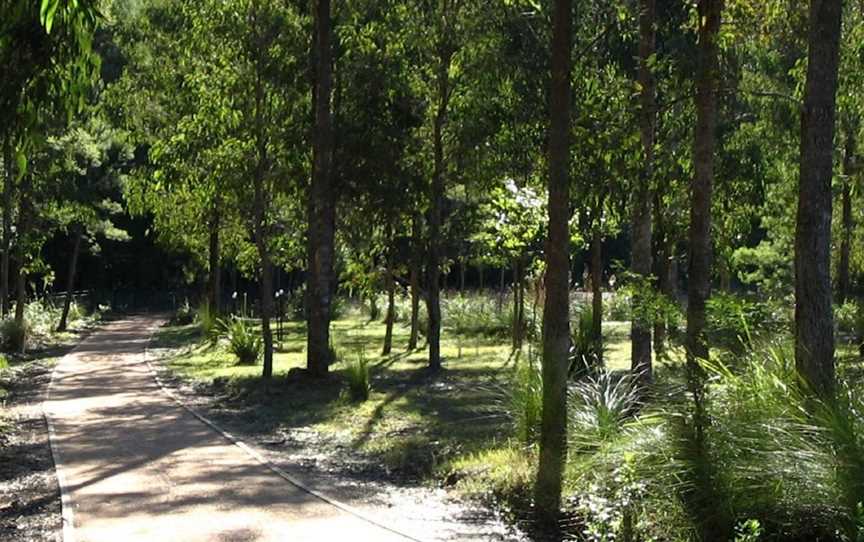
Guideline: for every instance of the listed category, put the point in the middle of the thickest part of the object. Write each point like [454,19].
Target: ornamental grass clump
[243,341]
[359,384]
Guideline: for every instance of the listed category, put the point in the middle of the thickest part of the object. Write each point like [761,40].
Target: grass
[414,422]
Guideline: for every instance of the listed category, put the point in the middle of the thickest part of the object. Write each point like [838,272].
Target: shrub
[599,406]
[358,378]
[734,321]
[243,341]
[617,307]
[4,363]
[207,321]
[183,316]
[846,317]
[14,337]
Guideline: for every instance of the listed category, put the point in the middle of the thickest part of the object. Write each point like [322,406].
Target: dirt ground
[29,495]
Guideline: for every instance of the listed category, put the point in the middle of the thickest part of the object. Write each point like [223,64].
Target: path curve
[134,465]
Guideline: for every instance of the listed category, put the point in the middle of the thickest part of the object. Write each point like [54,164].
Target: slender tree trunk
[70,279]
[814,319]
[391,312]
[846,240]
[597,288]
[433,301]
[261,205]
[322,209]
[24,212]
[462,272]
[663,271]
[518,304]
[556,314]
[215,277]
[415,283]
[501,289]
[701,186]
[8,201]
[640,248]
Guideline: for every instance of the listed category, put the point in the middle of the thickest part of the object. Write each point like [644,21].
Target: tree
[556,313]
[814,320]
[701,185]
[321,202]
[641,209]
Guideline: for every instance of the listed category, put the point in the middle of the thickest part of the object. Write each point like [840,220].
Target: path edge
[67,516]
[257,456]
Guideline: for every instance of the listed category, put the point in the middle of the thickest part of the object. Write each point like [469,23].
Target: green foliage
[600,404]
[4,363]
[475,315]
[14,337]
[846,316]
[243,340]
[586,351]
[617,307]
[357,372]
[734,320]
[184,315]
[526,399]
[207,320]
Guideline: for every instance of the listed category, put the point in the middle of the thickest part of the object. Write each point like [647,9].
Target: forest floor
[410,440]
[29,495]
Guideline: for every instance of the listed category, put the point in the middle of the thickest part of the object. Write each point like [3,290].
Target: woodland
[596,265]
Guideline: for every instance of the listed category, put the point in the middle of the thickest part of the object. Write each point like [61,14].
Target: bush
[617,307]
[183,316]
[599,406]
[477,315]
[243,341]
[14,337]
[846,317]
[207,321]
[734,321]
[358,379]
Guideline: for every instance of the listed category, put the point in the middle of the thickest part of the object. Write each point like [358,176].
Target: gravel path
[136,466]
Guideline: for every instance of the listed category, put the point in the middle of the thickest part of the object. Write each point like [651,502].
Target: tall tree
[640,249]
[556,310]
[814,319]
[701,185]
[322,207]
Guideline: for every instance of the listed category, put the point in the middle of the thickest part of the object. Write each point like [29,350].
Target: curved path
[135,466]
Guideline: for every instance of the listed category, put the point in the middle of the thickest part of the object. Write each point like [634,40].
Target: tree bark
[322,208]
[70,280]
[814,319]
[391,312]
[701,186]
[415,283]
[518,304]
[597,288]
[24,212]
[846,239]
[640,248]
[433,286]
[261,199]
[8,202]
[556,314]
[215,276]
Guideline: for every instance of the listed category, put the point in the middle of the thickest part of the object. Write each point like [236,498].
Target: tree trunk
[8,202]
[597,288]
[24,211]
[462,272]
[701,186]
[518,304]
[261,199]
[814,319]
[415,283]
[556,314]
[391,312]
[322,209]
[663,270]
[501,288]
[640,248]
[433,301]
[70,280]
[846,240]
[215,278]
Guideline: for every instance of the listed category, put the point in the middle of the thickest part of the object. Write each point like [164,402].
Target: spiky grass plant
[526,399]
[243,341]
[586,352]
[359,384]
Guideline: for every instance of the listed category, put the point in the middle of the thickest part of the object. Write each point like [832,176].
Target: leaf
[21,160]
